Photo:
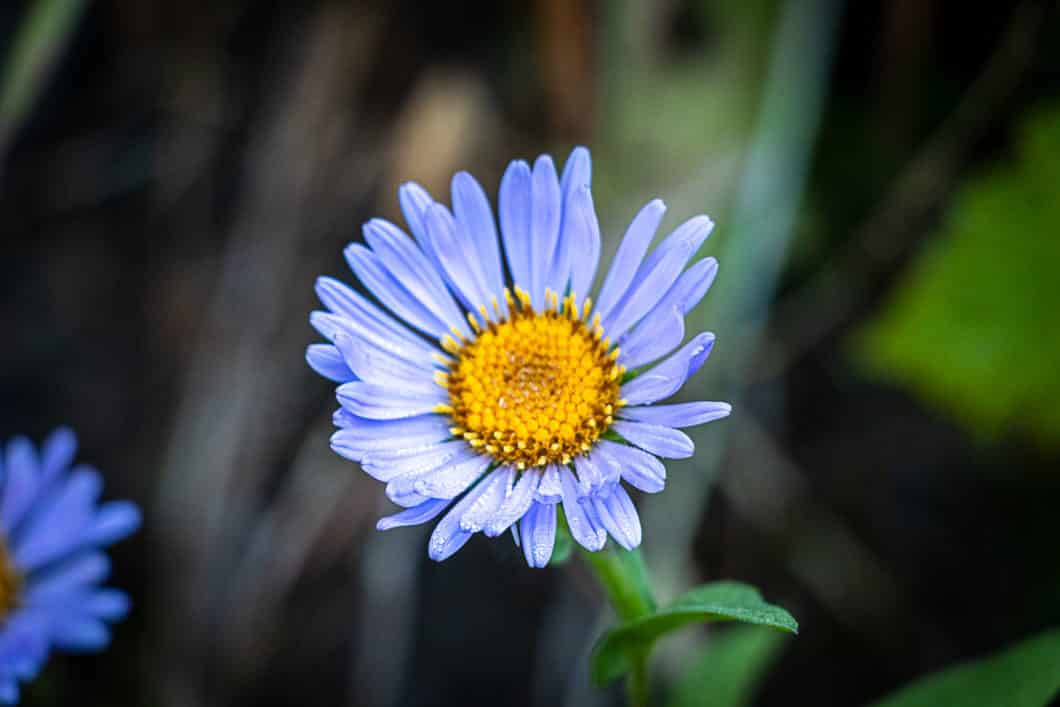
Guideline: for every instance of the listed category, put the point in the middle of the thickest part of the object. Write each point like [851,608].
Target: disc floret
[532,388]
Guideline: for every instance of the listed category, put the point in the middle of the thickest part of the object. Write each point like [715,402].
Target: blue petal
[8,691]
[677,414]
[538,532]
[414,201]
[58,527]
[695,231]
[378,402]
[515,213]
[630,252]
[657,335]
[453,479]
[590,475]
[657,274]
[544,226]
[364,320]
[332,325]
[114,521]
[666,378]
[549,490]
[326,360]
[344,418]
[516,504]
[402,256]
[659,440]
[583,525]
[471,208]
[410,267]
[683,296]
[363,436]
[405,497]
[414,516]
[619,517]
[393,295]
[484,508]
[584,233]
[458,259]
[82,634]
[374,365]
[414,461]
[691,286]
[577,175]
[448,535]
[608,470]
[639,469]
[107,604]
[84,569]
[24,642]
[21,453]
[21,483]
[57,454]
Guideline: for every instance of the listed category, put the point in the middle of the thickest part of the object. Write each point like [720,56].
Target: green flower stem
[637,681]
[624,578]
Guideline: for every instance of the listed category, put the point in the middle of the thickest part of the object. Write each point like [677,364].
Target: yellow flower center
[535,387]
[10,583]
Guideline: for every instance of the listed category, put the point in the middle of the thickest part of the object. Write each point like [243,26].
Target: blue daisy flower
[498,396]
[52,531]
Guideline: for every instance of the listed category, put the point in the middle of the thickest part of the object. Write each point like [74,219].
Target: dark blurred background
[174,175]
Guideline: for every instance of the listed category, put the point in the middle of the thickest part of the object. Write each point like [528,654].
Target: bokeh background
[174,175]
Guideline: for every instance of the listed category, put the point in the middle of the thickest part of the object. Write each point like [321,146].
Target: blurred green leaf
[1025,675]
[720,601]
[38,41]
[972,327]
[727,672]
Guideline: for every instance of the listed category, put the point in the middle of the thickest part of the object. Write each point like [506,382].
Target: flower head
[52,531]
[497,396]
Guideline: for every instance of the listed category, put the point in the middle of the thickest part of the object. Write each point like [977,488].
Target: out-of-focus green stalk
[38,42]
[624,579]
[760,228]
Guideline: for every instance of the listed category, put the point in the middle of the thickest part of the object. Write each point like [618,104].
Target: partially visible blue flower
[52,531]
[498,395]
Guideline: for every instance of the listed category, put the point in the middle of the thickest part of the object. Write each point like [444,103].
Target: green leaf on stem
[1024,675]
[727,672]
[719,601]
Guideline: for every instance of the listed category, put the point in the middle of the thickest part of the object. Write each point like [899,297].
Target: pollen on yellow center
[534,387]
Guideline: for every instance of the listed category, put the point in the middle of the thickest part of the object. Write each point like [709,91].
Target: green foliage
[720,601]
[625,580]
[973,326]
[727,672]
[1025,675]
[39,39]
